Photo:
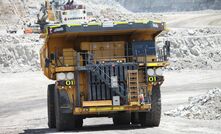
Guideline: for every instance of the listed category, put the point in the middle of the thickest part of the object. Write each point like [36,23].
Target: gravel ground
[23,105]
[207,107]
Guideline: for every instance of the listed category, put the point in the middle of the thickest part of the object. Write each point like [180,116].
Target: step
[133,100]
[132,75]
[133,90]
[133,85]
[132,71]
[133,82]
[132,79]
[134,95]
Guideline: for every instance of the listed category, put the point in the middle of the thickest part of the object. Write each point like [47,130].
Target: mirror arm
[47,62]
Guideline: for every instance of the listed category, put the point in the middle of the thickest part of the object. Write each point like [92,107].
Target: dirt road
[23,105]
[194,19]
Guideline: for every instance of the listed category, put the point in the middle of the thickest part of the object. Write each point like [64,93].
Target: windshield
[66,5]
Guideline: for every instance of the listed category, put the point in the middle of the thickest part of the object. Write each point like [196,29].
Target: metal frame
[117,26]
[108,109]
[103,73]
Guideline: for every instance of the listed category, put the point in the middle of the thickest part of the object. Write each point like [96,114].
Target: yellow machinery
[110,69]
[61,11]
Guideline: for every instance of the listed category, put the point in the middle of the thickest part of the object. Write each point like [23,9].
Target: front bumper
[109,109]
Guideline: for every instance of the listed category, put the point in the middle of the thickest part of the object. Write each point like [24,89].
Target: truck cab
[112,69]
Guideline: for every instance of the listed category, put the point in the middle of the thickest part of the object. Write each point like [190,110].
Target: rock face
[170,5]
[197,48]
[19,53]
[206,107]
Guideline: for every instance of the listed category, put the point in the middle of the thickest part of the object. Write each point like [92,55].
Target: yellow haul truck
[110,69]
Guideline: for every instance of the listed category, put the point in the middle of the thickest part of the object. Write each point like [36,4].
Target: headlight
[159,71]
[70,76]
[150,72]
[60,76]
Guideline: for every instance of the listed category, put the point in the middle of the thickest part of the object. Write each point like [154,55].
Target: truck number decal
[152,79]
[69,83]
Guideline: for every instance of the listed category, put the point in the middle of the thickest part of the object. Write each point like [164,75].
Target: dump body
[103,68]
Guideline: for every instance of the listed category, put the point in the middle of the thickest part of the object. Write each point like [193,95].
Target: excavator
[101,69]
[61,11]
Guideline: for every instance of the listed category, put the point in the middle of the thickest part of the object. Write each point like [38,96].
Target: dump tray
[107,29]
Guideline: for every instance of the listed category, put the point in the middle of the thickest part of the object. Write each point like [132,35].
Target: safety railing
[105,56]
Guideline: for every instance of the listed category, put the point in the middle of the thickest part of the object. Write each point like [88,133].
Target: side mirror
[47,62]
[52,56]
[166,51]
[167,46]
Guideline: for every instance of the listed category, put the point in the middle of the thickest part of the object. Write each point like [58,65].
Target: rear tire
[152,117]
[65,121]
[51,106]
[122,118]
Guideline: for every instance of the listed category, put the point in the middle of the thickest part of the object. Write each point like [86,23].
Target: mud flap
[65,104]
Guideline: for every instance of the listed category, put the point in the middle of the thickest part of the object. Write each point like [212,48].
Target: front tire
[51,106]
[152,117]
[135,118]
[65,121]
[122,118]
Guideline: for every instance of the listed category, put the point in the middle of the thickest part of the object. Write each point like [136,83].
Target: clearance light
[70,76]
[65,76]
[159,71]
[150,72]
[60,76]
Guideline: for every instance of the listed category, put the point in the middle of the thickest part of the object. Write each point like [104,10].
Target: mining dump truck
[109,69]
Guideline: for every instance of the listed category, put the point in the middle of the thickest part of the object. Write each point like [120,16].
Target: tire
[51,106]
[135,118]
[122,118]
[65,121]
[152,117]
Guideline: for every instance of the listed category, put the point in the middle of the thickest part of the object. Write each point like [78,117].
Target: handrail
[86,58]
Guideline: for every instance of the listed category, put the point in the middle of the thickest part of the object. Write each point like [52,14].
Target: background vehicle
[104,70]
[34,28]
[61,11]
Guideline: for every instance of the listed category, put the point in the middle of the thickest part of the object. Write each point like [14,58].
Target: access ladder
[133,87]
